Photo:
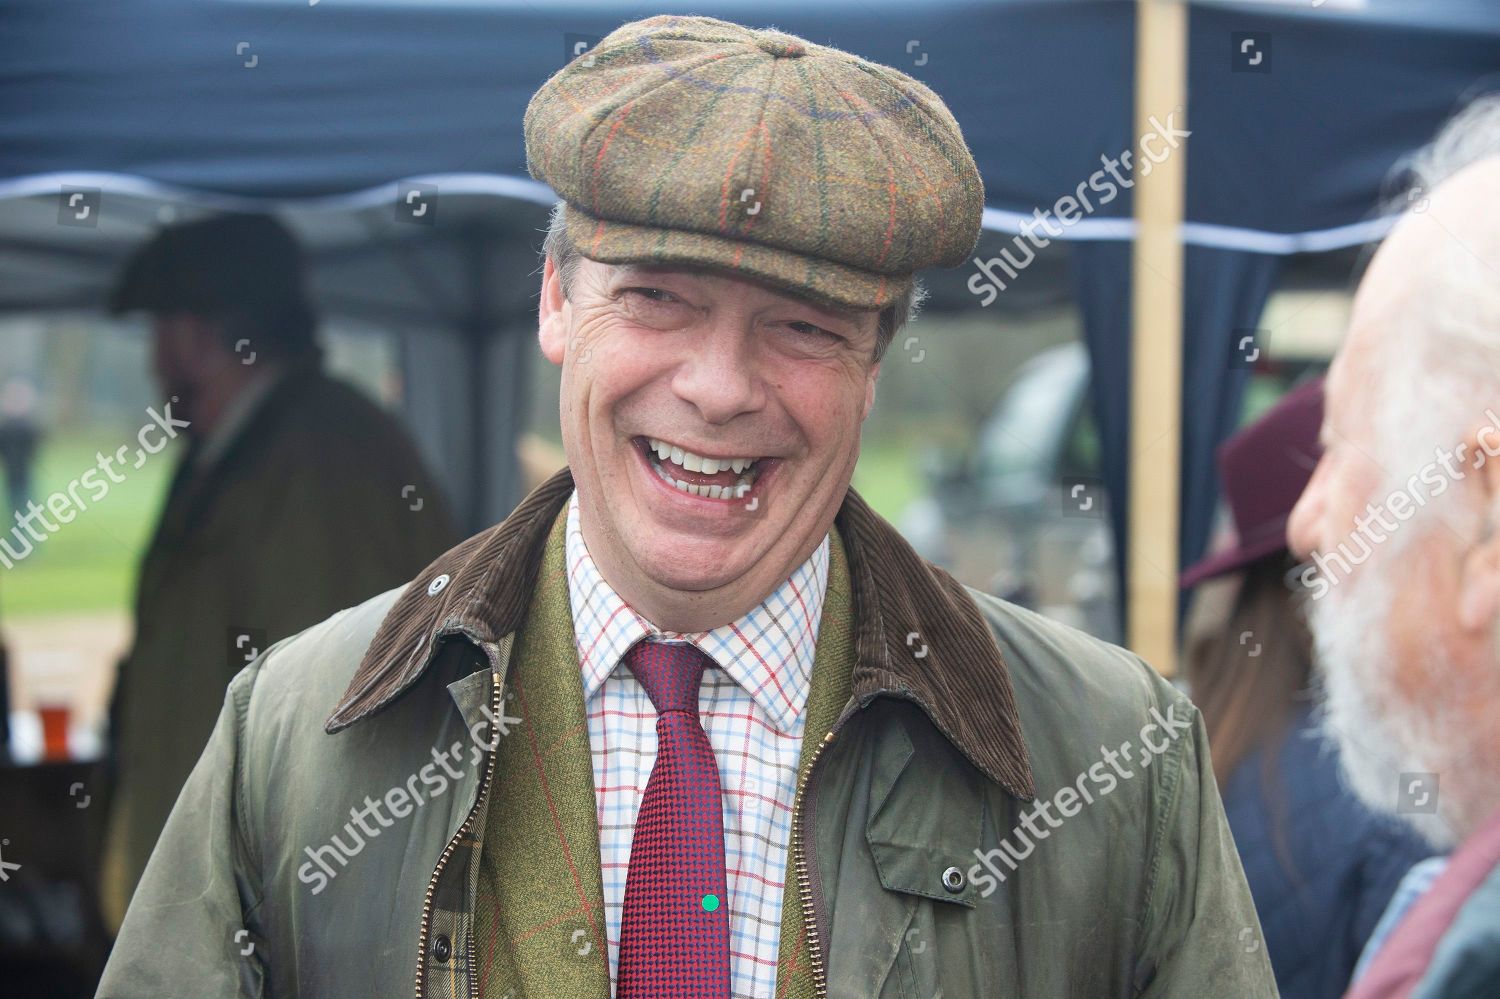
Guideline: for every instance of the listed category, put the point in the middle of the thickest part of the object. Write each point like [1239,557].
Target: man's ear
[552,315]
[1479,575]
[870,381]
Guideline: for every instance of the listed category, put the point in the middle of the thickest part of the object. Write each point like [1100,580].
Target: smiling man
[694,721]
[708,409]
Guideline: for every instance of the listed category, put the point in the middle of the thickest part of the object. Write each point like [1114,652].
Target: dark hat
[1263,469]
[691,140]
[249,265]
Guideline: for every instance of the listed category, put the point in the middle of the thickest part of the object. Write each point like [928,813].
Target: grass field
[89,564]
[887,477]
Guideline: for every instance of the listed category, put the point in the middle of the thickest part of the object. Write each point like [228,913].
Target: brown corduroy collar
[918,634]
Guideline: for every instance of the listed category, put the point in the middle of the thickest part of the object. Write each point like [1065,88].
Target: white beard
[1380,735]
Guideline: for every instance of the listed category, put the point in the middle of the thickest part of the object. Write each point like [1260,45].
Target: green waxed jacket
[971,723]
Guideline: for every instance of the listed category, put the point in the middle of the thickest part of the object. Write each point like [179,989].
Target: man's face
[1353,622]
[186,356]
[1410,674]
[695,365]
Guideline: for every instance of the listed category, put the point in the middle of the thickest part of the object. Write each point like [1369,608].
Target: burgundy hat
[1263,469]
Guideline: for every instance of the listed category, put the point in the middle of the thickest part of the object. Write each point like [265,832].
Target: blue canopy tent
[389,135]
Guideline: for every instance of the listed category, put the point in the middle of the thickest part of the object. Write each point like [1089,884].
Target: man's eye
[652,295]
[814,330]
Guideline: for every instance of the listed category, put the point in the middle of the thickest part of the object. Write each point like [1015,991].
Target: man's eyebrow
[839,312]
[843,315]
[847,315]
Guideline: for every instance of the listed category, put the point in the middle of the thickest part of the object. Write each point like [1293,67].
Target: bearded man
[1402,522]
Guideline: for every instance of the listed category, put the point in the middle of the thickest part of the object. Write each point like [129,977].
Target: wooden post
[1156,338]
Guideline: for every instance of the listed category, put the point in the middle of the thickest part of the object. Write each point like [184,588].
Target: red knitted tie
[674,930]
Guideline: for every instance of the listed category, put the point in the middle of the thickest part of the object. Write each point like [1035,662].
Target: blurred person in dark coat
[296,497]
[4,701]
[1321,865]
[19,437]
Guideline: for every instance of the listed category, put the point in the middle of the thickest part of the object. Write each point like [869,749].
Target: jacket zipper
[809,888]
[437,873]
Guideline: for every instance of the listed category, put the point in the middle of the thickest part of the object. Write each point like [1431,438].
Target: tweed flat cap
[690,140]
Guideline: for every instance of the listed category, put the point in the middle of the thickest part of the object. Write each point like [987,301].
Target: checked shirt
[752,707]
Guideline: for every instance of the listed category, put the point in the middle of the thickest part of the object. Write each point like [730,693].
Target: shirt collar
[478,594]
[768,651]
[236,417]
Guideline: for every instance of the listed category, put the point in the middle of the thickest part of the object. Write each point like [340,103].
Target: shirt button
[437,585]
[442,949]
[954,880]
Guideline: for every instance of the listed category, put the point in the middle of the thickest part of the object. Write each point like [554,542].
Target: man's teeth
[698,463]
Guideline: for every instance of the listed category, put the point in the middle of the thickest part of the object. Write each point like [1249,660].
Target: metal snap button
[442,949]
[954,880]
[437,585]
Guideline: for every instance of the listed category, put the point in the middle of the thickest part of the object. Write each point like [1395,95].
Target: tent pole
[1156,339]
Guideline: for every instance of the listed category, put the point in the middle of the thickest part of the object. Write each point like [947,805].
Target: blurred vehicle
[1024,515]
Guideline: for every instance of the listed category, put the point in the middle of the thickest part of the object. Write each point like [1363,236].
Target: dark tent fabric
[283,100]
[1225,292]
[1101,279]
[1343,98]
[337,113]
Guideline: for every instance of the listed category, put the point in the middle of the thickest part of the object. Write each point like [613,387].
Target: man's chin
[1381,742]
[695,565]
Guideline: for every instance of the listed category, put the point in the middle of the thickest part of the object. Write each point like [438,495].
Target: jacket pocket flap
[918,870]
[926,813]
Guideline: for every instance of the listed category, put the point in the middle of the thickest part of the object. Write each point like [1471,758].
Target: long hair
[1247,677]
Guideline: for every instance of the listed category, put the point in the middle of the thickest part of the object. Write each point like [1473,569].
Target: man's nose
[719,377]
[1302,524]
